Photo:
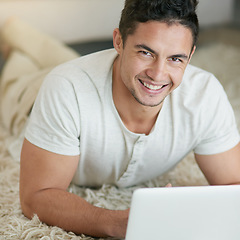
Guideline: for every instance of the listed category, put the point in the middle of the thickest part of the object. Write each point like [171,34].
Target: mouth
[152,87]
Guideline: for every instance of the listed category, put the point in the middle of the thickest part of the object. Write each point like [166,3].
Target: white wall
[68,20]
[83,20]
[212,12]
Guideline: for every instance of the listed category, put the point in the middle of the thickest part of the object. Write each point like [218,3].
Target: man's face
[153,60]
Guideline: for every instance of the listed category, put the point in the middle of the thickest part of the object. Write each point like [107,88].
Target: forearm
[72,213]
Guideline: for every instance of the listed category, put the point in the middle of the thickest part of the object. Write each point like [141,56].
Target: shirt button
[133,161]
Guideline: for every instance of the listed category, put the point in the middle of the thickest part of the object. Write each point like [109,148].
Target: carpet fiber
[221,59]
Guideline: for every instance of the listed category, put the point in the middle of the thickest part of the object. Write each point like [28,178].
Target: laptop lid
[185,213]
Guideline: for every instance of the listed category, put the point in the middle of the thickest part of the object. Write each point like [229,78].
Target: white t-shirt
[74,114]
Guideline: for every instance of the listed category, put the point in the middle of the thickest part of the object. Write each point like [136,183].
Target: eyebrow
[182,56]
[143,46]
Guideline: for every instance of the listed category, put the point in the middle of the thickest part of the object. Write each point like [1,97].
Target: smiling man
[124,116]
[149,67]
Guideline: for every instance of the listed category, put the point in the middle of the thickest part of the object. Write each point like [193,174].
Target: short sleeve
[54,124]
[219,131]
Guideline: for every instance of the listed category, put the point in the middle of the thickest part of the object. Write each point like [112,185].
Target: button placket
[132,166]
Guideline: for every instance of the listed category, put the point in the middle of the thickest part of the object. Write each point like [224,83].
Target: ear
[117,40]
[193,51]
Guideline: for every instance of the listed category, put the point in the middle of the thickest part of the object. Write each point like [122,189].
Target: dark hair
[168,11]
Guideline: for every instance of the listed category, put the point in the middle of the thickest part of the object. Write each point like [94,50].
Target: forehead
[157,34]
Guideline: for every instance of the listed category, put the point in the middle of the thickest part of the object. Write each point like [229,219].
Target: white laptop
[185,213]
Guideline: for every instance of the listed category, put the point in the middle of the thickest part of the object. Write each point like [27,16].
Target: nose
[157,71]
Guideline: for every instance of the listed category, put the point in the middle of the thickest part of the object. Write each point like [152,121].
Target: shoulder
[91,65]
[200,96]
[199,86]
[83,74]
[197,78]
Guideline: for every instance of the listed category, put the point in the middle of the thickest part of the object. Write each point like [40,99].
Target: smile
[153,87]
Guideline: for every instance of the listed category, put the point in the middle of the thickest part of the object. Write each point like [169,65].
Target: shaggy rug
[222,60]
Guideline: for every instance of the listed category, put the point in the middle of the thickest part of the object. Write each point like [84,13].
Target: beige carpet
[222,60]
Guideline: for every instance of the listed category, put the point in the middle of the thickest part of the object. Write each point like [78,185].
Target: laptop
[185,213]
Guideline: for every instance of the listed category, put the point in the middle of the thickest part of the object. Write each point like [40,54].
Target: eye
[175,59]
[145,53]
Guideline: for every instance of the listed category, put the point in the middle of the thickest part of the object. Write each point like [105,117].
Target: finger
[169,185]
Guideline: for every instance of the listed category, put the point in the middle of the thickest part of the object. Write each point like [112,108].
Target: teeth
[152,87]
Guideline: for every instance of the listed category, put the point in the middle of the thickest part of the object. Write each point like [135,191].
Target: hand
[118,226]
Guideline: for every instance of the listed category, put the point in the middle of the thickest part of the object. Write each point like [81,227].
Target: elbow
[34,203]
[29,201]
[27,207]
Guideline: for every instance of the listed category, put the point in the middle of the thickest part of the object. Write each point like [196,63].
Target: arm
[222,168]
[44,178]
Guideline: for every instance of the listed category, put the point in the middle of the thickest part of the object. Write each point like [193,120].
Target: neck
[135,116]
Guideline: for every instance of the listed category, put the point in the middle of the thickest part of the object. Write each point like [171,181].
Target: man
[125,116]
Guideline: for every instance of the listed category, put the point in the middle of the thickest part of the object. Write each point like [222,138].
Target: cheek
[177,76]
[132,68]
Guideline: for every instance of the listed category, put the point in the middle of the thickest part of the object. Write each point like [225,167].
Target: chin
[149,103]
